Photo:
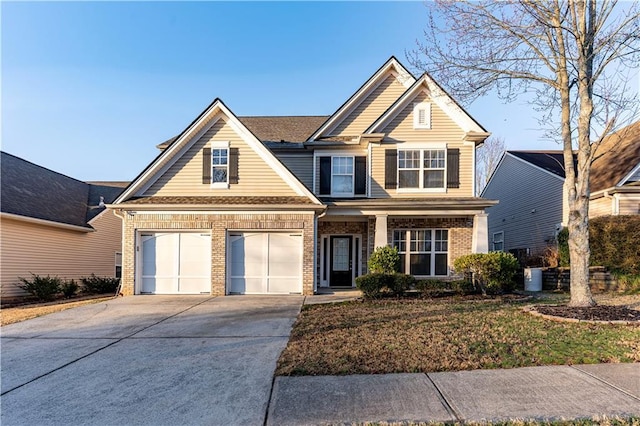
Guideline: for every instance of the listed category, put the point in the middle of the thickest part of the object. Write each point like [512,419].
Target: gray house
[532,205]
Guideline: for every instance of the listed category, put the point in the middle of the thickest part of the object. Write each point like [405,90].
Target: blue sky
[89,89]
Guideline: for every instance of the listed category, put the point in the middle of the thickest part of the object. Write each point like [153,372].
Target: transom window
[341,176]
[423,251]
[219,165]
[421,168]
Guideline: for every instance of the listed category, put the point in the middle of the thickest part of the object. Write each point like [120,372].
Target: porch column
[381,231]
[480,239]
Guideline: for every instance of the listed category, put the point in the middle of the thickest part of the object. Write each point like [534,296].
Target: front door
[341,262]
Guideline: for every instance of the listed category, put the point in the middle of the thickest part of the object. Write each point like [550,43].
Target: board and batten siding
[372,107]
[45,250]
[300,164]
[255,176]
[530,205]
[443,131]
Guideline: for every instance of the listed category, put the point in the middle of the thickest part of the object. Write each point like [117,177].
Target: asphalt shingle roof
[620,154]
[27,189]
[551,161]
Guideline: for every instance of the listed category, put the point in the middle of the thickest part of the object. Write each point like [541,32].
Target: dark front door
[341,262]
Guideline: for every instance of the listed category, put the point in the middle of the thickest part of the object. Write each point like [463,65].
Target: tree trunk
[579,253]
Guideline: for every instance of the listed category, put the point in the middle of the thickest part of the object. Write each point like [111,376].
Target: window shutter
[390,168]
[325,175]
[361,176]
[453,168]
[233,165]
[206,165]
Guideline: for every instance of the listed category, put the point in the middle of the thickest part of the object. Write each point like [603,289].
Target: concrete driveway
[150,360]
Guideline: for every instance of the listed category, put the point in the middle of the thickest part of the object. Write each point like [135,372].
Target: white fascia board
[45,222]
[168,153]
[219,212]
[631,173]
[404,77]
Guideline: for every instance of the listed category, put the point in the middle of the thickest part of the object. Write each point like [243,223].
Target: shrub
[399,283]
[613,241]
[439,288]
[384,260]
[69,288]
[372,285]
[492,272]
[563,248]
[44,288]
[99,285]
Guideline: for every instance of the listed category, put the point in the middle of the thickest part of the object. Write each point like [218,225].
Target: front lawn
[394,336]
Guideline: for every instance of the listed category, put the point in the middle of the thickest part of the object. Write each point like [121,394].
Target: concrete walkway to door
[160,360]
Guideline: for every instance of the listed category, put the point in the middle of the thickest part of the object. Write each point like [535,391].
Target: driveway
[157,360]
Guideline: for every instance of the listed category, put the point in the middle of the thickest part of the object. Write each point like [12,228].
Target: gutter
[45,222]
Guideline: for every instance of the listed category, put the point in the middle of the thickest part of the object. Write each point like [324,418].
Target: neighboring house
[260,205]
[533,204]
[54,225]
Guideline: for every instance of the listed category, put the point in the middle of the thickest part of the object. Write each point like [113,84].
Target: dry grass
[23,313]
[394,336]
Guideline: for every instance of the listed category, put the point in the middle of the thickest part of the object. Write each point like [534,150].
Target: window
[219,165]
[118,264]
[422,115]
[423,251]
[421,168]
[342,176]
[498,241]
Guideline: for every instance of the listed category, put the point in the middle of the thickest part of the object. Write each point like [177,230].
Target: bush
[69,288]
[439,288]
[614,243]
[493,272]
[44,288]
[372,285]
[99,285]
[384,260]
[563,248]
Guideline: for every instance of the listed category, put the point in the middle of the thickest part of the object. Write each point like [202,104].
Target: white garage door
[176,263]
[264,262]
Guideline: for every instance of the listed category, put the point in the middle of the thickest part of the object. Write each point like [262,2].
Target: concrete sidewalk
[540,393]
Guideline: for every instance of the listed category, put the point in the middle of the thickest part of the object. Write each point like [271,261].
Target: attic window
[422,115]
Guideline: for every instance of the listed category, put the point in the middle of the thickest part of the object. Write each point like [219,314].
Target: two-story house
[258,205]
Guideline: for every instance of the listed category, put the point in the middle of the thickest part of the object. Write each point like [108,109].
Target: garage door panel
[194,256]
[284,255]
[283,285]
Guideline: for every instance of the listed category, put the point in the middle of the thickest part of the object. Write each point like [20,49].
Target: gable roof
[294,129]
[617,157]
[407,79]
[189,136]
[551,161]
[33,191]
[438,95]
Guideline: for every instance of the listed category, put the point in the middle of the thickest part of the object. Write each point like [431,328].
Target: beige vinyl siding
[301,165]
[601,207]
[184,177]
[46,250]
[372,107]
[629,204]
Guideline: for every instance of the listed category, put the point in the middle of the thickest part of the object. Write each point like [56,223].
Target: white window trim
[422,106]
[495,240]
[422,148]
[220,145]
[432,253]
[353,177]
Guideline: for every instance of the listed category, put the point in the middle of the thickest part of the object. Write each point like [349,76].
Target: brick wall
[345,228]
[218,225]
[600,280]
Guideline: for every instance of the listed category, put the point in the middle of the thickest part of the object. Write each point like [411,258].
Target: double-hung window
[423,252]
[220,165]
[422,169]
[342,176]
[498,241]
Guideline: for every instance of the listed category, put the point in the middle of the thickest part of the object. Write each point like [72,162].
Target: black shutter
[361,176]
[453,168]
[233,165]
[325,175]
[390,169]
[206,165]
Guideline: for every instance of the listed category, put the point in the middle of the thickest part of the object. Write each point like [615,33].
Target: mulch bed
[594,313]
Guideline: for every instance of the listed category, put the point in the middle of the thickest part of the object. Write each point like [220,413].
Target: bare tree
[574,58]
[487,158]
